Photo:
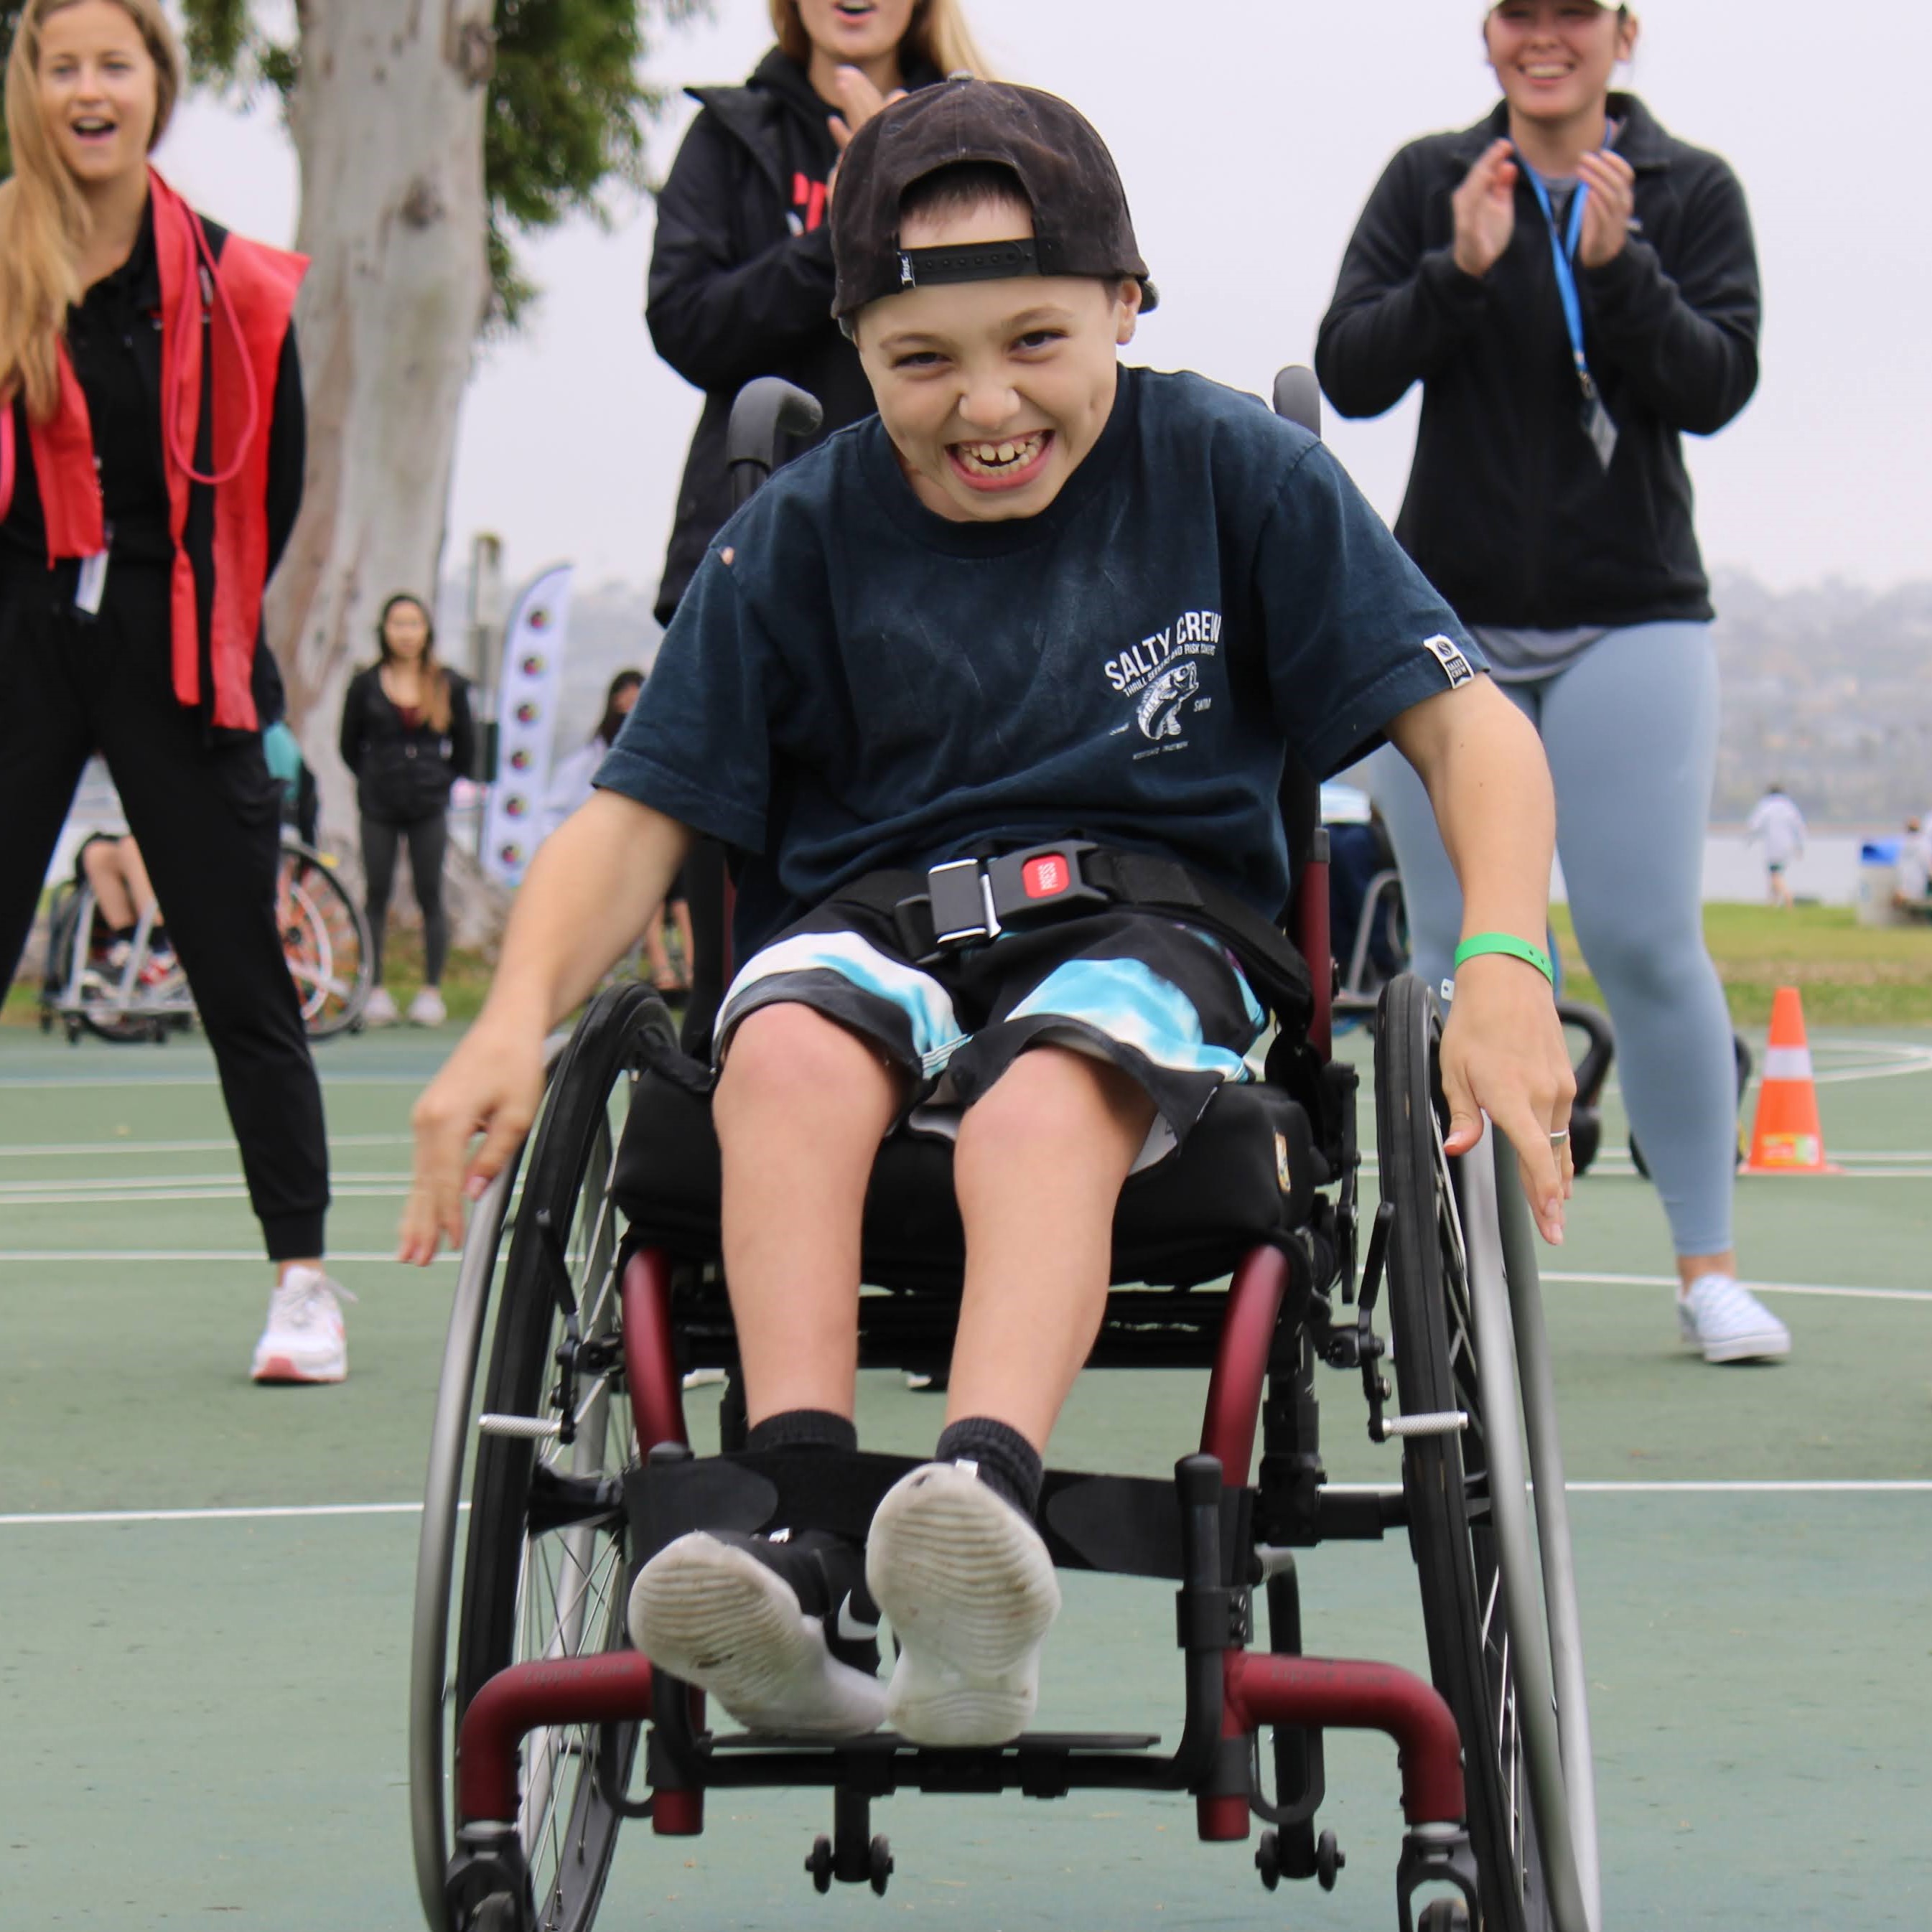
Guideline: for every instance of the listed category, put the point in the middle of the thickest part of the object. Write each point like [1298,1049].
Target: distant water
[1734,869]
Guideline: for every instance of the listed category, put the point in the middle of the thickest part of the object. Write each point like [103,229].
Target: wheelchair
[325,940]
[1248,1257]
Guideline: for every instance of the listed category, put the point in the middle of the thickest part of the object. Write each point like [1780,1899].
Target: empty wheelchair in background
[1249,1257]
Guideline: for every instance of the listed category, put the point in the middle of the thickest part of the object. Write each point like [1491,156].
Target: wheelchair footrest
[1053,1743]
[1127,1525]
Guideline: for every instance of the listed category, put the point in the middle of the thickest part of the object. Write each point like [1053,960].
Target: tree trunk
[388,121]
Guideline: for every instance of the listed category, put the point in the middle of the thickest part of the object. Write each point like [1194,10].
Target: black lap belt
[970,902]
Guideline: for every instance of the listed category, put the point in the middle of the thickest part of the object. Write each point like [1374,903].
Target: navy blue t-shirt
[866,684]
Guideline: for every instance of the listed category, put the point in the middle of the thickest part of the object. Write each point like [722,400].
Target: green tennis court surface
[203,1713]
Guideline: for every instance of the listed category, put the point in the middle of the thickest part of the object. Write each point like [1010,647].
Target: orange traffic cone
[1787,1138]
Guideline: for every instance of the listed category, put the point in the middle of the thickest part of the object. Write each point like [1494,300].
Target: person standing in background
[570,785]
[1576,290]
[1776,819]
[741,282]
[135,546]
[407,736]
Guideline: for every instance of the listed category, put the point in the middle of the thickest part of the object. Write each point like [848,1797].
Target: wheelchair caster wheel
[881,1855]
[1444,1915]
[1267,1859]
[1329,1859]
[820,1864]
[1586,1136]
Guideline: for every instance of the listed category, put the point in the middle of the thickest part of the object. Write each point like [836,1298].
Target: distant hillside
[1828,689]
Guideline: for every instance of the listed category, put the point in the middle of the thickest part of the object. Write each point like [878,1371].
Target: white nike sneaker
[776,1628]
[970,1589]
[379,1008]
[427,1009]
[1729,1322]
[304,1341]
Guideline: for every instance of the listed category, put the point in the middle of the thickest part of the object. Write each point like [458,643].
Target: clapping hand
[1612,181]
[1485,209]
[860,99]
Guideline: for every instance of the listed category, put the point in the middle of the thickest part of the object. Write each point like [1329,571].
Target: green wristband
[1504,942]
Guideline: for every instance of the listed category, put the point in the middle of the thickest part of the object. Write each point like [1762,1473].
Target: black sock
[803,1429]
[1008,1464]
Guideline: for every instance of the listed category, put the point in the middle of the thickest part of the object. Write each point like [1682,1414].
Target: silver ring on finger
[1557,1140]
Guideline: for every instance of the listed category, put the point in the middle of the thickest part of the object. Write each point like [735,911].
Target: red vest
[248,298]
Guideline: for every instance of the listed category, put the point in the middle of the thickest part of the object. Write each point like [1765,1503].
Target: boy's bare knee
[1053,1097]
[786,1055]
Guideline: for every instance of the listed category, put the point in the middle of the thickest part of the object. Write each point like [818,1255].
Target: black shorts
[1164,1002]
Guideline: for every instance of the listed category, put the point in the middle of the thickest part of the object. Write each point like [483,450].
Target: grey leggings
[428,841]
[1631,733]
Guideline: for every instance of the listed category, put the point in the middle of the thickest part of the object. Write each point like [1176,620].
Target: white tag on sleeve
[1455,665]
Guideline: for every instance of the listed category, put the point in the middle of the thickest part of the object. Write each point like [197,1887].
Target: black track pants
[207,818]
[428,842]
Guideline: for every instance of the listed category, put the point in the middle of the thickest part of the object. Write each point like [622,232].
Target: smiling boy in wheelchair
[993,695]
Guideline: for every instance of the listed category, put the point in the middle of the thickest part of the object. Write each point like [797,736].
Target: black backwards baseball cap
[1081,225]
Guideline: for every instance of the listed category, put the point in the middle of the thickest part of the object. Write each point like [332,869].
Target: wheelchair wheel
[324,939]
[1477,1660]
[546,1569]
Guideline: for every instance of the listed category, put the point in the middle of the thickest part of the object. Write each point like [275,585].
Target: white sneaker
[726,1613]
[970,1589]
[1729,1323]
[427,1009]
[380,1010]
[304,1341]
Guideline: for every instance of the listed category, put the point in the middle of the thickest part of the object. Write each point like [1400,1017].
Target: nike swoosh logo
[849,1629]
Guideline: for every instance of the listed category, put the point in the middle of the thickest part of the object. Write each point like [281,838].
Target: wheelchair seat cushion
[1244,1177]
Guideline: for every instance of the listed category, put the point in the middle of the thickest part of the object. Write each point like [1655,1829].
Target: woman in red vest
[151,467]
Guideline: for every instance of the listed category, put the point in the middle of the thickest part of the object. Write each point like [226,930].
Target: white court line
[72,1519]
[265,1514]
[160,1196]
[73,1147]
[251,1255]
[1756,1287]
[26,1083]
[1842,1488]
[80,1186]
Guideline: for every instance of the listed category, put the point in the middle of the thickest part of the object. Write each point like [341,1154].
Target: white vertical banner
[528,692]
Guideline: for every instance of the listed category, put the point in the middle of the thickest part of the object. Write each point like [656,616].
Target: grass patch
[1849,974]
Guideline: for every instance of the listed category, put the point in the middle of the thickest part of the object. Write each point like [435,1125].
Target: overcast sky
[1249,132]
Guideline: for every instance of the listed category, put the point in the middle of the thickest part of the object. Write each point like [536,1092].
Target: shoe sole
[1746,1348]
[715,1617]
[283,1368]
[970,1589]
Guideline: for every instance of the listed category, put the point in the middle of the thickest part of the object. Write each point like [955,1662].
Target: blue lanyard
[1563,247]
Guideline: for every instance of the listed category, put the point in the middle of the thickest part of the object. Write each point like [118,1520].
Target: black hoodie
[1509,511]
[741,280]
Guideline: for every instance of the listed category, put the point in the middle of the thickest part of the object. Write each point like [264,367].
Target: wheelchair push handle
[766,408]
[1297,396]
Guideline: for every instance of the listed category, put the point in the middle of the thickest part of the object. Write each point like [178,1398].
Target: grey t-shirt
[1523,657]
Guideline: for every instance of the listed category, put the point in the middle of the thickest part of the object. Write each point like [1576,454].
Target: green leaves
[568,108]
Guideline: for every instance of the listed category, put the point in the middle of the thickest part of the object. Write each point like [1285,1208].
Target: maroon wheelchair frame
[1245,1689]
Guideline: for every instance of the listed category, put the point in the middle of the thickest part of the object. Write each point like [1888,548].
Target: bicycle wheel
[1445,1478]
[547,1565]
[324,939]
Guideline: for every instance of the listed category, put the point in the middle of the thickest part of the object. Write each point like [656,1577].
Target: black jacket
[404,772]
[1509,511]
[741,280]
